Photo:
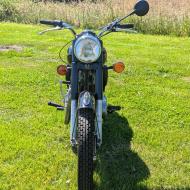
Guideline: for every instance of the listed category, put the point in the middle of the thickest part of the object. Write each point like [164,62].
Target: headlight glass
[87,48]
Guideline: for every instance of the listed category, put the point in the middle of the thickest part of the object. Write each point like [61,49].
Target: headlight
[87,48]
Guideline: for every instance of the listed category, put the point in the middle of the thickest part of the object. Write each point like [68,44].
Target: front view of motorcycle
[85,103]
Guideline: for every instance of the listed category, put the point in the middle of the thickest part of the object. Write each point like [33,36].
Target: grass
[145,146]
[163,18]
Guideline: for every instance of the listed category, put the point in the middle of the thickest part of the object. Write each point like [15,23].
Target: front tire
[85,148]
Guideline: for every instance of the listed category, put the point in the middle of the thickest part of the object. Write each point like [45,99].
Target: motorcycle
[86,76]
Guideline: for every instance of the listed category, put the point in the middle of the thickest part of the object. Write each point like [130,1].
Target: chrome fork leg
[73,122]
[99,121]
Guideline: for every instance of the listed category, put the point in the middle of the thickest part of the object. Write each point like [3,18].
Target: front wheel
[85,148]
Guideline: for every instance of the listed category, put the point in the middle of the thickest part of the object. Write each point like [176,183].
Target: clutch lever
[50,29]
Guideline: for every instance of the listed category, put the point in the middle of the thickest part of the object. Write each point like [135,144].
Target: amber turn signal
[62,70]
[118,67]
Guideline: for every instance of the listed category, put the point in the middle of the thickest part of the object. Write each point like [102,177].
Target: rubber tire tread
[85,148]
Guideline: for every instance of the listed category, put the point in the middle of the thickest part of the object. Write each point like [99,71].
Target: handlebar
[112,27]
[116,27]
[58,25]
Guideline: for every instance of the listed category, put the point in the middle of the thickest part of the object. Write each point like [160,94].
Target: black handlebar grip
[125,26]
[51,22]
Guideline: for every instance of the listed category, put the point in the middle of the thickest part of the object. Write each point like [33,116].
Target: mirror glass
[141,8]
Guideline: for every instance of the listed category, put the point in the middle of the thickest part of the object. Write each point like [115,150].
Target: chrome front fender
[86,100]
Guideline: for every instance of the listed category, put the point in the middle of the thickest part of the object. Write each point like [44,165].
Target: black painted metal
[74,81]
[55,105]
[99,82]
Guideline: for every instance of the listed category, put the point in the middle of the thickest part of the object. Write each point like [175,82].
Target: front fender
[86,100]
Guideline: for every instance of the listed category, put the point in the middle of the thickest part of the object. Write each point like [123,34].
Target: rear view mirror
[141,8]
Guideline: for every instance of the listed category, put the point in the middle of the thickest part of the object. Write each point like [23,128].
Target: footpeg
[111,109]
[66,82]
[59,107]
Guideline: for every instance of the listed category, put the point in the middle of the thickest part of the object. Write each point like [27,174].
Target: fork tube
[74,81]
[73,122]
[99,95]
[99,82]
[74,94]
[99,121]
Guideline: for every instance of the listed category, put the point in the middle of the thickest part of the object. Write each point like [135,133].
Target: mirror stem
[133,12]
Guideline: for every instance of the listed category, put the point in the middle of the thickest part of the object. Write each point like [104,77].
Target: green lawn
[145,146]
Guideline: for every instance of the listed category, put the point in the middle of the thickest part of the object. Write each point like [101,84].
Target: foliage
[7,10]
[164,17]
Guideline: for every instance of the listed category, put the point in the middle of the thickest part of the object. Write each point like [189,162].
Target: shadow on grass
[118,167]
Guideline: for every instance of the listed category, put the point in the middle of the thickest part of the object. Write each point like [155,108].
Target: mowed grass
[145,146]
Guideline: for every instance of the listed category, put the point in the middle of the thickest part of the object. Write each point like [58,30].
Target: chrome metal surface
[86,100]
[99,121]
[61,88]
[104,106]
[73,121]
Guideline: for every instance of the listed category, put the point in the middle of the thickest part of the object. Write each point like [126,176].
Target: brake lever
[125,30]
[50,29]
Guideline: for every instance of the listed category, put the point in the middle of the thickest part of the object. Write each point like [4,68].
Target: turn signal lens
[118,67]
[62,70]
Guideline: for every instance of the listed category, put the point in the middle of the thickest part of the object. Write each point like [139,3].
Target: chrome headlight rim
[93,38]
